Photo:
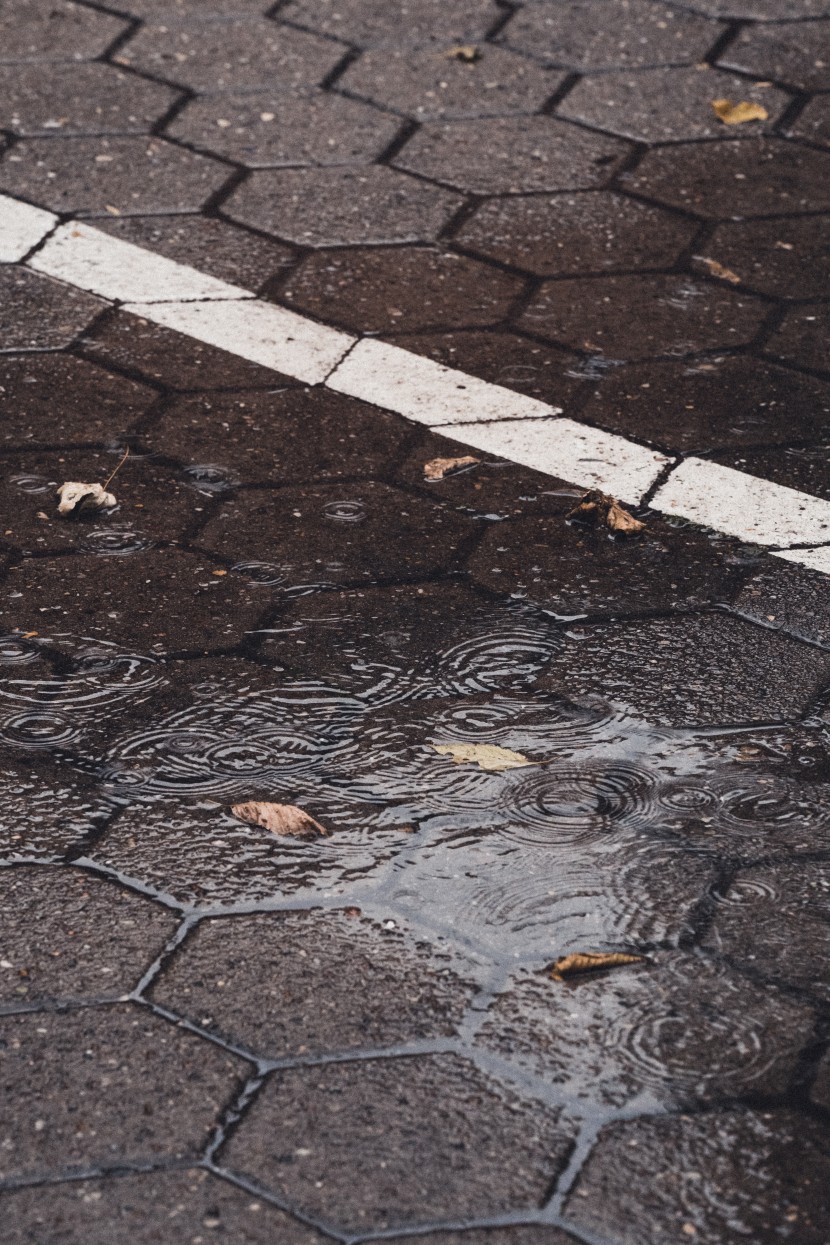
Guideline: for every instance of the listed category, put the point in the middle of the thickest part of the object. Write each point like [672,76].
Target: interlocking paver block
[52,920]
[373,23]
[695,671]
[384,1143]
[45,811]
[107,1086]
[81,99]
[764,10]
[269,129]
[37,313]
[746,177]
[410,289]
[814,122]
[802,337]
[535,1234]
[342,206]
[793,598]
[528,153]
[626,34]
[177,10]
[89,176]
[783,258]
[597,231]
[665,105]
[144,1206]
[769,1169]
[303,983]
[222,55]
[794,53]
[42,30]
[631,317]
[434,83]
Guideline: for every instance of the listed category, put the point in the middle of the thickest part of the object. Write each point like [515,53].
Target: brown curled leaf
[590,962]
[602,510]
[282,819]
[438,468]
[466,52]
[75,498]
[718,270]
[738,114]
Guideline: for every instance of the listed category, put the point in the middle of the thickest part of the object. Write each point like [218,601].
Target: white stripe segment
[82,255]
[814,559]
[21,227]
[261,332]
[755,510]
[425,391]
[573,452]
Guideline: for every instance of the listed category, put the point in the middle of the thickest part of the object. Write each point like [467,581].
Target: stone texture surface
[41,314]
[63,31]
[794,53]
[82,99]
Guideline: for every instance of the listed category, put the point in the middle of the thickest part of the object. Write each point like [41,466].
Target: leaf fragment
[718,270]
[282,819]
[438,468]
[75,498]
[468,53]
[736,114]
[590,962]
[600,509]
[486,756]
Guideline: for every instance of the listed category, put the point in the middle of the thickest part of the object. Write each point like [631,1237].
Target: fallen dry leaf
[438,468]
[590,962]
[717,270]
[283,819]
[466,52]
[599,508]
[75,498]
[486,756]
[737,114]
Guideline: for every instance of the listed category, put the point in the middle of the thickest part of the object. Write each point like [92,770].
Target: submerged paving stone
[626,34]
[409,289]
[41,314]
[81,99]
[89,176]
[768,1167]
[528,153]
[45,810]
[678,1030]
[802,337]
[790,597]
[52,920]
[265,982]
[144,1205]
[702,670]
[783,258]
[372,23]
[164,1090]
[342,206]
[59,31]
[598,231]
[794,53]
[384,1143]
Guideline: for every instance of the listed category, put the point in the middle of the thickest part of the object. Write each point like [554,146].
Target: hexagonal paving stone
[764,10]
[746,177]
[791,52]
[52,944]
[597,231]
[60,31]
[45,811]
[338,207]
[626,34]
[433,83]
[695,671]
[337,533]
[814,122]
[163,600]
[415,288]
[54,399]
[795,599]
[273,128]
[630,317]
[37,313]
[371,23]
[144,1205]
[534,1234]
[91,175]
[287,984]
[770,1169]
[770,921]
[802,337]
[784,258]
[726,401]
[666,105]
[178,9]
[530,153]
[81,99]
[384,1143]
[284,437]
[102,1087]
[223,55]
[678,1030]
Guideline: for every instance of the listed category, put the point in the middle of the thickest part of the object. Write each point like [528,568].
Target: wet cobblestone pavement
[213,1032]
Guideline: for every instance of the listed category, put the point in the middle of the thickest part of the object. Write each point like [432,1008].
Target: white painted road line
[82,255]
[813,559]
[755,510]
[21,227]
[573,452]
[261,332]
[425,391]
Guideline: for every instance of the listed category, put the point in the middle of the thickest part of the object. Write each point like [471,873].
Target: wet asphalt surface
[214,1033]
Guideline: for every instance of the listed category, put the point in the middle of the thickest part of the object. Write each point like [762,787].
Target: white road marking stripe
[813,559]
[82,255]
[21,227]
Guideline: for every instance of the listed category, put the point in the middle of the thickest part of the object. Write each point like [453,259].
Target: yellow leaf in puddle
[590,962]
[737,114]
[282,819]
[438,468]
[718,270]
[486,756]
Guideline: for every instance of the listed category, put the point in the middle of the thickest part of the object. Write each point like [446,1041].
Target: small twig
[112,474]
